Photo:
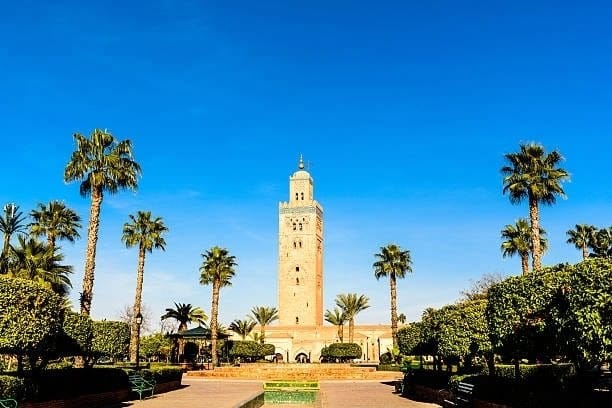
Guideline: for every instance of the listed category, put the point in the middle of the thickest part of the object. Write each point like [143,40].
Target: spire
[301,163]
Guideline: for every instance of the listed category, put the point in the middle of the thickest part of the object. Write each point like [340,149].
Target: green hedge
[111,339]
[343,351]
[12,387]
[250,349]
[160,374]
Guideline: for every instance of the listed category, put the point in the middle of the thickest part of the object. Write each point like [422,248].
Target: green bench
[8,403]
[141,385]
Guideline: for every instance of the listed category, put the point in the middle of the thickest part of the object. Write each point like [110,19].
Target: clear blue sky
[404,110]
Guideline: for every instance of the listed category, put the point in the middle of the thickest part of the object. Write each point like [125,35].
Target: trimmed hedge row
[72,382]
[343,351]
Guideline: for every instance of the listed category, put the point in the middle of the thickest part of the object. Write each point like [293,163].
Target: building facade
[300,334]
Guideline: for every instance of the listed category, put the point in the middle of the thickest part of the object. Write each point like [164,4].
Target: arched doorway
[302,358]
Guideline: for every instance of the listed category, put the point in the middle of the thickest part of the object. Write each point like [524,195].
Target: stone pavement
[229,393]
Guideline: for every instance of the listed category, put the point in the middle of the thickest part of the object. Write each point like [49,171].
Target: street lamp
[138,323]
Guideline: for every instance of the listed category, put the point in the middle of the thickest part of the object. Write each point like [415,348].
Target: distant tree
[518,241]
[147,233]
[393,262]
[337,318]
[582,236]
[12,222]
[243,328]
[534,175]
[480,288]
[218,269]
[264,315]
[401,318]
[55,221]
[102,164]
[126,315]
[351,304]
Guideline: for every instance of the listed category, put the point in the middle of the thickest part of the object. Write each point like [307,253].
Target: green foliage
[528,371]
[343,351]
[110,338]
[250,349]
[64,384]
[31,316]
[388,367]
[160,374]
[77,334]
[409,338]
[156,344]
[12,387]
[560,311]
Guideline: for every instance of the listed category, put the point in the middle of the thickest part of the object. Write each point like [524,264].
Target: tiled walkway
[229,393]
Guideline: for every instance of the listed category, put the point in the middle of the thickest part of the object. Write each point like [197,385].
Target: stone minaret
[300,254]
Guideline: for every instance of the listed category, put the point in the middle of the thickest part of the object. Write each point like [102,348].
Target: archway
[301,358]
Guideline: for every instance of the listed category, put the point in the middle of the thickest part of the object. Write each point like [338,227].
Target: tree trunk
[262,334]
[393,284]
[214,311]
[90,256]
[6,243]
[351,329]
[51,241]
[525,262]
[341,332]
[135,335]
[181,343]
[585,252]
[534,216]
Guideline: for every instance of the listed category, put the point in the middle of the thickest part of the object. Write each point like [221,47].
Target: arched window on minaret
[302,196]
[294,244]
[300,226]
[294,226]
[297,320]
[297,281]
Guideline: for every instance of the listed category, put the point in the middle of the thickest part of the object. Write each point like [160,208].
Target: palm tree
[38,261]
[518,241]
[217,270]
[11,223]
[602,243]
[147,233]
[534,175]
[582,237]
[337,318]
[401,318]
[264,316]
[55,221]
[184,313]
[102,164]
[351,305]
[243,328]
[392,261]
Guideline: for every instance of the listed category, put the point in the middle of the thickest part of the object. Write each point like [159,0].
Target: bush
[342,351]
[386,358]
[12,387]
[388,367]
[161,374]
[110,339]
[77,334]
[30,319]
[250,350]
[69,383]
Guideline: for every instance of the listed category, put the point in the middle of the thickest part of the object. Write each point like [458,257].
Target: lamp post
[138,323]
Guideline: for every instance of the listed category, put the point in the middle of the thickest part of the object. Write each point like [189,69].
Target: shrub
[110,339]
[251,350]
[388,367]
[30,319]
[63,384]
[77,334]
[12,387]
[160,373]
[386,358]
[342,351]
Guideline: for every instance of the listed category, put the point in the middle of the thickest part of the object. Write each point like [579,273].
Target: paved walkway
[229,393]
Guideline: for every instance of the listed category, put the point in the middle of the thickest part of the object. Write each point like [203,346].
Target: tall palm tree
[582,237]
[534,175]
[38,261]
[401,318]
[264,316]
[351,305]
[102,164]
[147,233]
[217,270]
[243,328]
[337,318]
[184,313]
[55,221]
[12,222]
[518,241]
[394,262]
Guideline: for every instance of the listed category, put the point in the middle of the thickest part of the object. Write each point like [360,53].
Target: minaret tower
[300,254]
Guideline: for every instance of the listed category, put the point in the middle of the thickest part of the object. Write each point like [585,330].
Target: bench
[462,397]
[8,403]
[141,385]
